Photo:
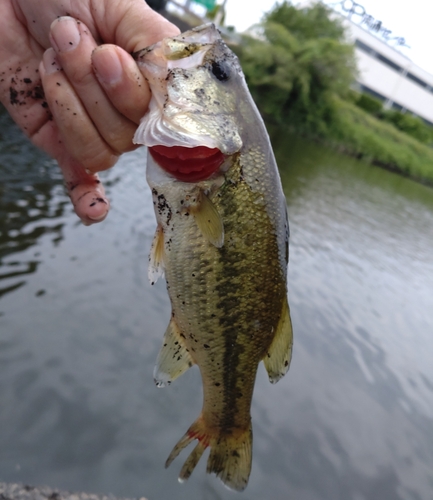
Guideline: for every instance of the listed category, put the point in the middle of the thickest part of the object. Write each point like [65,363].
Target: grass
[359,134]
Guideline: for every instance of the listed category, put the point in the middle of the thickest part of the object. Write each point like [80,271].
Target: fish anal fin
[230,455]
[156,257]
[173,358]
[208,220]
[277,359]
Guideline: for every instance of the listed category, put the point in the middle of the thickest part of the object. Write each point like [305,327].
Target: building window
[389,63]
[410,76]
[417,80]
[365,48]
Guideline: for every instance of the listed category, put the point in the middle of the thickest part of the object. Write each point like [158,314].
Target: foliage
[405,122]
[369,103]
[364,136]
[300,69]
[307,23]
[411,125]
[294,65]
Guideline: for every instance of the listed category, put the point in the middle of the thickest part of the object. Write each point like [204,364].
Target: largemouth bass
[221,240]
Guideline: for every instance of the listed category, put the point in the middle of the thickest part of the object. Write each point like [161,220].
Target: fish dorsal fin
[277,359]
[156,257]
[209,220]
[173,358]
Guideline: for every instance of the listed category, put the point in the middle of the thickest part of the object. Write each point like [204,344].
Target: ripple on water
[80,328]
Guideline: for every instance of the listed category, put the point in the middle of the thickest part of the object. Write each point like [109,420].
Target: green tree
[307,23]
[296,62]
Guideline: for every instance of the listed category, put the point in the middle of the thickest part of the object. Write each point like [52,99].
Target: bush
[369,103]
[409,124]
[405,122]
[362,135]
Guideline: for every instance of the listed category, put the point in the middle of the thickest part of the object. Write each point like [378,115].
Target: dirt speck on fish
[221,240]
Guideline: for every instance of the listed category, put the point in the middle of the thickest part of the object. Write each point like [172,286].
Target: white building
[390,76]
[384,71]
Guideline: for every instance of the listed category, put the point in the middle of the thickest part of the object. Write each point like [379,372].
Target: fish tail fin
[230,456]
[230,459]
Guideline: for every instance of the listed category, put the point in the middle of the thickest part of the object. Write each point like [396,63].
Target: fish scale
[222,242]
[232,275]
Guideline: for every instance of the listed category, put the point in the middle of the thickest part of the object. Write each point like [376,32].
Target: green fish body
[221,241]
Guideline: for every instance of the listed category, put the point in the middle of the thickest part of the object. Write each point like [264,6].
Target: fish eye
[220,71]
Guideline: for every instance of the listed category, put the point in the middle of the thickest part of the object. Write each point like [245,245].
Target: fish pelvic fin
[208,220]
[156,257]
[173,358]
[278,357]
[230,454]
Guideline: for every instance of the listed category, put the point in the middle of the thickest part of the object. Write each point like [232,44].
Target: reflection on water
[362,277]
[80,328]
[30,191]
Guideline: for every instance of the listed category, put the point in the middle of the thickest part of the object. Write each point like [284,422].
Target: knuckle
[99,161]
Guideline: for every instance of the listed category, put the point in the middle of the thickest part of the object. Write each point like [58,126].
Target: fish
[221,241]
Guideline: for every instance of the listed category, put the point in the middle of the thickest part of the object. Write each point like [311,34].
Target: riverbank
[300,71]
[14,491]
[359,134]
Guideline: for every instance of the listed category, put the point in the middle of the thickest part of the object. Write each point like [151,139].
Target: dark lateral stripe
[236,280]
[233,263]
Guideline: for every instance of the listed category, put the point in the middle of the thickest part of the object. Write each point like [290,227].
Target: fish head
[194,79]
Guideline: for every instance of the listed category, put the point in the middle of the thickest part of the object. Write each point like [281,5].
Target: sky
[412,20]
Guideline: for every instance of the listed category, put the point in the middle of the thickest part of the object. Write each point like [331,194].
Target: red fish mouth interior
[188,164]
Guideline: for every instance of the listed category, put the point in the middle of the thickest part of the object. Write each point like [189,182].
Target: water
[80,328]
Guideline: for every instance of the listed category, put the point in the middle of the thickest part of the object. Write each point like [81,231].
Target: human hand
[78,100]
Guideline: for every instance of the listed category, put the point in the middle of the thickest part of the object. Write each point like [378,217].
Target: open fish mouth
[188,164]
[195,81]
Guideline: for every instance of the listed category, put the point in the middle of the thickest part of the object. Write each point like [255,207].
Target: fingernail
[50,62]
[98,209]
[65,35]
[107,66]
[99,218]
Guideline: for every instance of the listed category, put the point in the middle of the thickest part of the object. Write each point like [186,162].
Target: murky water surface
[80,328]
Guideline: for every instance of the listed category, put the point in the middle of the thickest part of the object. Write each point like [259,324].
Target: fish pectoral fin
[173,358]
[230,455]
[156,257]
[277,359]
[209,221]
